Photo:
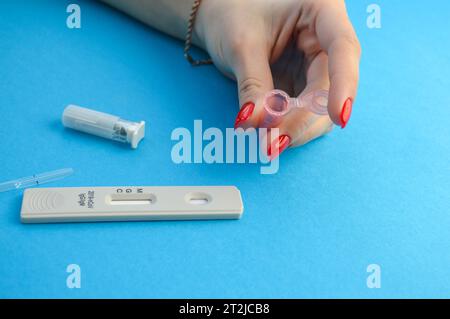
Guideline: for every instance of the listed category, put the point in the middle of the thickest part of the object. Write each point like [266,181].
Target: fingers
[308,127]
[337,37]
[301,126]
[338,71]
[254,79]
[315,126]
[321,126]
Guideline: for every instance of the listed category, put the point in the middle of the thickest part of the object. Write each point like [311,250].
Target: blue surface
[376,192]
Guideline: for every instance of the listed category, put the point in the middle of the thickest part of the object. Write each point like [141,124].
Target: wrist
[198,32]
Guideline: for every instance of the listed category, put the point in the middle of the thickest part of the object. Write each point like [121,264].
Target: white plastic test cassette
[89,204]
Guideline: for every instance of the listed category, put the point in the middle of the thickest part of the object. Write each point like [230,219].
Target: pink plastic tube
[277,104]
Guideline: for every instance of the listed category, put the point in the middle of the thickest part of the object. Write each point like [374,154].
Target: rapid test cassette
[137,203]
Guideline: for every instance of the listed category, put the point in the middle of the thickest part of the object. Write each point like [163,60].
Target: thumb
[254,79]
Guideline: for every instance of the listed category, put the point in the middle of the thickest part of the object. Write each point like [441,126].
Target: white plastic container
[104,125]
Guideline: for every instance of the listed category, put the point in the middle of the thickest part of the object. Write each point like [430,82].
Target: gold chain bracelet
[188,41]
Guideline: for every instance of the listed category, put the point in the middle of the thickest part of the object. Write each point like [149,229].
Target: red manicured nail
[245,112]
[278,146]
[346,112]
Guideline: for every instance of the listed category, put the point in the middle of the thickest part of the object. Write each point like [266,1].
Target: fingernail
[245,112]
[346,112]
[278,146]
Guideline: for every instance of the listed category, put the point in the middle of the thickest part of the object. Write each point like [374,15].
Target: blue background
[376,192]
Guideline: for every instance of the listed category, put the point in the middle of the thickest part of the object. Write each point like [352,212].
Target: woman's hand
[292,45]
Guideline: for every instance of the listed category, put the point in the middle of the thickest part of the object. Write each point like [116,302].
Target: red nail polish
[245,112]
[346,112]
[278,146]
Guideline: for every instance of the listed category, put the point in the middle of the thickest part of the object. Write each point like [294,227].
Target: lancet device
[278,103]
[137,203]
[104,125]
